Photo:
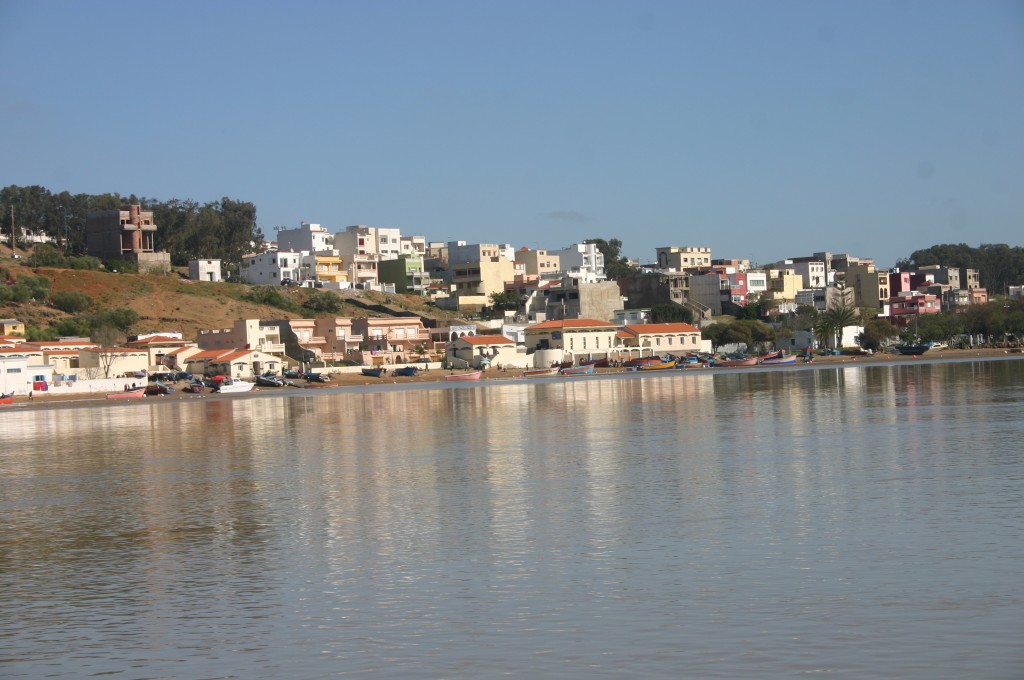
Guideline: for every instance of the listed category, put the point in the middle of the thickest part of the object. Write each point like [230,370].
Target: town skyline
[760,131]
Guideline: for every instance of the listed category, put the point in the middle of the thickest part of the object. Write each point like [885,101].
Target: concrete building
[581,259]
[205,270]
[390,340]
[570,338]
[405,273]
[689,257]
[575,298]
[812,272]
[710,290]
[308,238]
[127,234]
[272,267]
[907,306]
[539,263]
[244,334]
[870,287]
[381,243]
[663,338]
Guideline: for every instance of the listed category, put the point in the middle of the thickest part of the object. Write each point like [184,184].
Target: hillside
[173,303]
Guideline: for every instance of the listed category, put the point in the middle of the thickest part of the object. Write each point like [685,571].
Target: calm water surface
[852,522]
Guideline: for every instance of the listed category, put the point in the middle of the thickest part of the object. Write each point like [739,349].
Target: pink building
[906,307]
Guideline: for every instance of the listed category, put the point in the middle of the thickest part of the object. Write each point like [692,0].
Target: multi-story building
[405,273]
[539,263]
[680,258]
[575,298]
[308,238]
[710,289]
[870,287]
[947,275]
[272,267]
[581,259]
[812,272]
[907,306]
[390,340]
[572,337]
[380,242]
[327,267]
[244,334]
[330,339]
[127,234]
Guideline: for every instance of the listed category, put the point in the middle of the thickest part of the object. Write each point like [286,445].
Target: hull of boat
[236,387]
[785,361]
[578,370]
[407,371]
[373,372]
[913,350]
[752,361]
[540,372]
[130,394]
[475,375]
[7,398]
[658,367]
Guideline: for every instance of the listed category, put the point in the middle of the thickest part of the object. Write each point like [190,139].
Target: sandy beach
[44,399]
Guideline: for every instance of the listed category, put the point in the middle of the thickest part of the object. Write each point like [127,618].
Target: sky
[764,130]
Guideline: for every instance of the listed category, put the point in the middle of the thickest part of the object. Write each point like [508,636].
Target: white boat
[229,386]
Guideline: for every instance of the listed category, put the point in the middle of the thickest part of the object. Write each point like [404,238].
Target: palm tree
[838,318]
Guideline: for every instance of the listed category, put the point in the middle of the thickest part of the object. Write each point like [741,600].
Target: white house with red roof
[488,350]
[565,339]
[663,338]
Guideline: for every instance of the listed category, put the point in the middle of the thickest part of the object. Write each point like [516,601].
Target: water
[855,522]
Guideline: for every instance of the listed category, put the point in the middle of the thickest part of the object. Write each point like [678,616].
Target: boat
[407,371]
[771,356]
[129,394]
[737,361]
[269,381]
[598,363]
[229,386]
[914,350]
[472,375]
[376,372]
[657,366]
[7,398]
[158,389]
[779,360]
[578,370]
[642,361]
[540,372]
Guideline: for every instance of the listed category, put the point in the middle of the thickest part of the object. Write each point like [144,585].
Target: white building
[271,267]
[583,260]
[308,238]
[757,282]
[204,270]
[814,273]
[380,243]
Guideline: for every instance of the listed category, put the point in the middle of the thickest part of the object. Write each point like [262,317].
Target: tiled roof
[570,323]
[661,328]
[487,340]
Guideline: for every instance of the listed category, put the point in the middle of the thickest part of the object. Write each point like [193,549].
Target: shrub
[84,262]
[271,296]
[46,255]
[71,302]
[321,301]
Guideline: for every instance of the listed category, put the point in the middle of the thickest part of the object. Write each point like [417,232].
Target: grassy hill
[170,302]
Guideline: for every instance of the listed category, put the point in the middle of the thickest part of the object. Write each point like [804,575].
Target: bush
[71,302]
[85,262]
[46,255]
[121,266]
[320,301]
[271,296]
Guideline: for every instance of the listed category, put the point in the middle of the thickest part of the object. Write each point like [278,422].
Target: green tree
[503,301]
[615,265]
[876,332]
[671,312]
[836,319]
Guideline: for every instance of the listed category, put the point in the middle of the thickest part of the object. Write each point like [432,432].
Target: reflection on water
[857,521]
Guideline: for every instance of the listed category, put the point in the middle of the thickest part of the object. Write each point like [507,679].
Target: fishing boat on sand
[407,371]
[472,375]
[540,372]
[578,370]
[7,398]
[737,361]
[229,386]
[128,394]
[374,372]
[657,366]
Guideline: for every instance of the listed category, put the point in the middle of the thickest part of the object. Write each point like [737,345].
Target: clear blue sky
[761,129]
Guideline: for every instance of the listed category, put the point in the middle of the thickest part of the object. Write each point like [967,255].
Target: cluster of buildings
[565,306]
[567,283]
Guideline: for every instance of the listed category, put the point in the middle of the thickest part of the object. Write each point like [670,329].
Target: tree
[323,301]
[106,337]
[503,301]
[71,302]
[836,319]
[876,332]
[615,265]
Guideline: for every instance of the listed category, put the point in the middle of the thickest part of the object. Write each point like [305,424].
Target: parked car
[182,375]
[289,282]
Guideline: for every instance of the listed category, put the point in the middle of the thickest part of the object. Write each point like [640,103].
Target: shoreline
[354,380]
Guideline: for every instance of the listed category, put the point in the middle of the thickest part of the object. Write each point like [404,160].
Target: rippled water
[855,522]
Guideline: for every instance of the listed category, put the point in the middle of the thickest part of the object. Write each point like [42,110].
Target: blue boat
[407,371]
[578,370]
[374,372]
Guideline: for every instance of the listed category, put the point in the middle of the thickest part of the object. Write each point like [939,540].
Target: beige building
[662,338]
[680,258]
[12,327]
[111,362]
[245,334]
[783,285]
[390,340]
[870,287]
[574,337]
[486,350]
[330,339]
[538,263]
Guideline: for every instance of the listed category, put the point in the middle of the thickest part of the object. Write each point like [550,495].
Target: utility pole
[13,242]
